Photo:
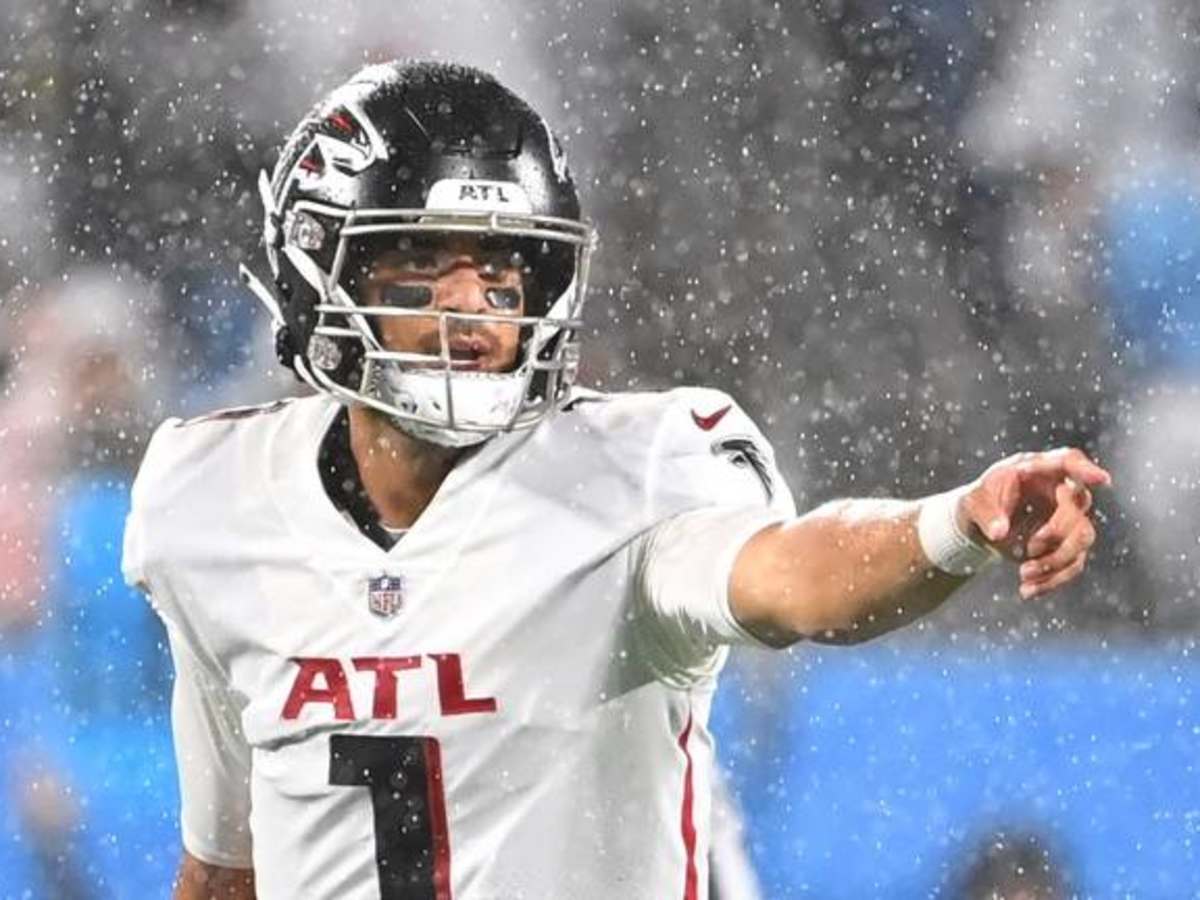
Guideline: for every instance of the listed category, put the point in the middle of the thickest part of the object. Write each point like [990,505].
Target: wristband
[946,547]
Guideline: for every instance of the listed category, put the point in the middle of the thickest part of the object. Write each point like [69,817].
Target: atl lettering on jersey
[324,683]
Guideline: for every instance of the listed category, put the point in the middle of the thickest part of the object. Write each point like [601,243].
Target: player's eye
[507,299]
[406,296]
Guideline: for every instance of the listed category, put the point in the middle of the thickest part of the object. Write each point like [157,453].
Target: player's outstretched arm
[854,569]
[202,881]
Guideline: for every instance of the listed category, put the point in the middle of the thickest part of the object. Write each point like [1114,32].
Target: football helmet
[408,156]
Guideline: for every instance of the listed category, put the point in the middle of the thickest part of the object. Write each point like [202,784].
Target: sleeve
[682,564]
[683,569]
[211,752]
[214,764]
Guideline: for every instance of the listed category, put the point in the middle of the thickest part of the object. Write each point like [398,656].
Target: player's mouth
[469,354]
[470,351]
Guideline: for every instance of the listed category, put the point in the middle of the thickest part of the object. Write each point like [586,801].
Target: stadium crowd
[909,237]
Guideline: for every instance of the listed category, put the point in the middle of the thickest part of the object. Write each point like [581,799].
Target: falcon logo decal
[342,124]
[709,422]
[312,161]
[342,144]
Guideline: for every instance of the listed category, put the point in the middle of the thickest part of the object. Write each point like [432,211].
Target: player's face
[454,276]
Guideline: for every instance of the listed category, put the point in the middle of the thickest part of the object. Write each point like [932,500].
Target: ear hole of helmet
[299,303]
[285,349]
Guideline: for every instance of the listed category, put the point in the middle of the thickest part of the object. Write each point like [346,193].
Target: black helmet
[421,152]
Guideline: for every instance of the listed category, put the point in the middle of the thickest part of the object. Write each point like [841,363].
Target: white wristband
[943,541]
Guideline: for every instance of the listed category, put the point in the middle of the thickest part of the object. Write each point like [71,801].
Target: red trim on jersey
[437,820]
[687,825]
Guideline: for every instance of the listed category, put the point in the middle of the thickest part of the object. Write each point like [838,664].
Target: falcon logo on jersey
[385,595]
[744,453]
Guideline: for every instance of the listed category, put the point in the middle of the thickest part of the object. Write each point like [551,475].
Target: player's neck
[399,473]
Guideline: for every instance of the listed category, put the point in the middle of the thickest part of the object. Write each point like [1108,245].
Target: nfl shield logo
[385,595]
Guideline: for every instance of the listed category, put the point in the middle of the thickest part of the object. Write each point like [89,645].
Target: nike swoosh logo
[709,422]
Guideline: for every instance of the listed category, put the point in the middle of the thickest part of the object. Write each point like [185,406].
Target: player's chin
[485,355]
[502,366]
[491,364]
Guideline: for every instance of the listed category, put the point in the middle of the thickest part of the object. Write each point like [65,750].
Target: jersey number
[404,776]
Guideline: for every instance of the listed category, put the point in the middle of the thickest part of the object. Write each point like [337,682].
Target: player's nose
[461,288]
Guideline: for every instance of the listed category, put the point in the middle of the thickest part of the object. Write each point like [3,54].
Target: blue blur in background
[86,708]
[876,773]
[1153,238]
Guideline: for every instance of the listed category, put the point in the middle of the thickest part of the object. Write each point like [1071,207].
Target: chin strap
[264,295]
[284,348]
[282,334]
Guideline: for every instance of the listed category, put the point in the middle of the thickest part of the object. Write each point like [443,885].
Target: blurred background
[911,237]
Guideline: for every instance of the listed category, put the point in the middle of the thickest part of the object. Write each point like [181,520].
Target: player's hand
[1035,509]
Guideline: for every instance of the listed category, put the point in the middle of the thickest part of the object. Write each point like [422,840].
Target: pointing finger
[1067,462]
[1079,494]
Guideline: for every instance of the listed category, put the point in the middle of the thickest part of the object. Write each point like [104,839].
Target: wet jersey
[510,702]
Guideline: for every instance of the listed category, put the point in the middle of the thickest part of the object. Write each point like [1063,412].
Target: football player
[451,627]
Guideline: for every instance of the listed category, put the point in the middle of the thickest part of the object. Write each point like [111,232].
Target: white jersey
[510,703]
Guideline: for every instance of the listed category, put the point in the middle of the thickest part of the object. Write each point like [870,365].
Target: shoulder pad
[689,442]
[192,465]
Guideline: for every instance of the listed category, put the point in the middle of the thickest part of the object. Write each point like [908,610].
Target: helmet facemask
[431,392]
